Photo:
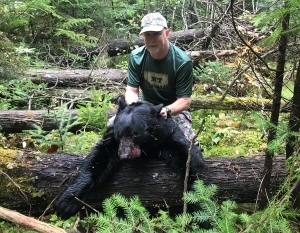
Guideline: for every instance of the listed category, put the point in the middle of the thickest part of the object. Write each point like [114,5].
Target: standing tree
[283,41]
[294,125]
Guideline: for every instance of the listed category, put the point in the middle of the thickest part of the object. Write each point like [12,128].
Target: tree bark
[15,121]
[294,126]
[30,181]
[272,130]
[77,78]
[196,56]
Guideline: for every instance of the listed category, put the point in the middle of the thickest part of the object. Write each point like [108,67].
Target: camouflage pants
[184,122]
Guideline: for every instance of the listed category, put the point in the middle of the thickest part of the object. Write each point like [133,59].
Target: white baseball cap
[153,22]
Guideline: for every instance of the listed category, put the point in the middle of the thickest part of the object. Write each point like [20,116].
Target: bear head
[140,129]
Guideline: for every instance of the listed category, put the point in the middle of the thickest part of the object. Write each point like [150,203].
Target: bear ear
[158,108]
[122,104]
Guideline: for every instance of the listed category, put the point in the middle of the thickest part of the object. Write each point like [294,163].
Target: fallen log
[184,39]
[196,56]
[180,38]
[77,78]
[15,121]
[37,179]
[99,77]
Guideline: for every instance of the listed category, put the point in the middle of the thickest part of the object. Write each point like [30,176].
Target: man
[162,71]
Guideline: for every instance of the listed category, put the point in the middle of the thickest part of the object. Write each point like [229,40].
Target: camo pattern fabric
[184,121]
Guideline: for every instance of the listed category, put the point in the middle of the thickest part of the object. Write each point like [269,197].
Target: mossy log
[15,121]
[30,181]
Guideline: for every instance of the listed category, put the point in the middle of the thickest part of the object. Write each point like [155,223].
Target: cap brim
[152,29]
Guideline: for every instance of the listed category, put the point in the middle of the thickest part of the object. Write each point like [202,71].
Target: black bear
[139,130]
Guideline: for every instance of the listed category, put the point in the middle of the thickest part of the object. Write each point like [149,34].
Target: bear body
[139,131]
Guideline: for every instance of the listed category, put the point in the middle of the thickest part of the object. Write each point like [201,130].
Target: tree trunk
[294,126]
[15,121]
[265,186]
[31,181]
[294,123]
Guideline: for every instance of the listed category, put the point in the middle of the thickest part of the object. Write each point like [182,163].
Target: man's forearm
[131,96]
[180,105]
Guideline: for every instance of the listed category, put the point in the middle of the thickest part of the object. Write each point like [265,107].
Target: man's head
[153,22]
[156,35]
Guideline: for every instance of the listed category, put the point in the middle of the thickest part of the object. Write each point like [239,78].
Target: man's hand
[131,95]
[165,112]
[177,107]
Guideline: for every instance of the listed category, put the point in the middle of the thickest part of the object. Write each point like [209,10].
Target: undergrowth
[122,214]
[225,133]
[93,117]
[229,133]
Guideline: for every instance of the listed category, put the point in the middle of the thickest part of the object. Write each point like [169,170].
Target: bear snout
[128,150]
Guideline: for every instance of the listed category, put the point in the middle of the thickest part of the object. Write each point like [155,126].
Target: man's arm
[178,106]
[131,94]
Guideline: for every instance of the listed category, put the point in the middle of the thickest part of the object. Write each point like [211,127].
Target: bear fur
[138,131]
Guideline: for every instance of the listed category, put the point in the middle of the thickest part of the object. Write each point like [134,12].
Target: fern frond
[76,37]
[73,22]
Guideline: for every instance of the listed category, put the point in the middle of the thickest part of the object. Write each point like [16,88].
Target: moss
[237,143]
[229,133]
[7,155]
[16,182]
[13,177]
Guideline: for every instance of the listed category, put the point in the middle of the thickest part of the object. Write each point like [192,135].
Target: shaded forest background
[260,38]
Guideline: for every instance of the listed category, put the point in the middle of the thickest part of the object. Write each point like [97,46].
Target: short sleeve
[134,73]
[184,80]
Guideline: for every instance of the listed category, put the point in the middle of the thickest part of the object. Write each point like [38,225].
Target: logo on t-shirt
[157,80]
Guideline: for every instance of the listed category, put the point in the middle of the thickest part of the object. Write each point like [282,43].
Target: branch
[18,187]
[243,71]
[245,43]
[187,171]
[29,222]
[252,227]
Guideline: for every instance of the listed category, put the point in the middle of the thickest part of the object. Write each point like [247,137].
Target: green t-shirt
[161,81]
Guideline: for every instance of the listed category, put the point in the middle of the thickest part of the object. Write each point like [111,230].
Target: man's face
[157,42]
